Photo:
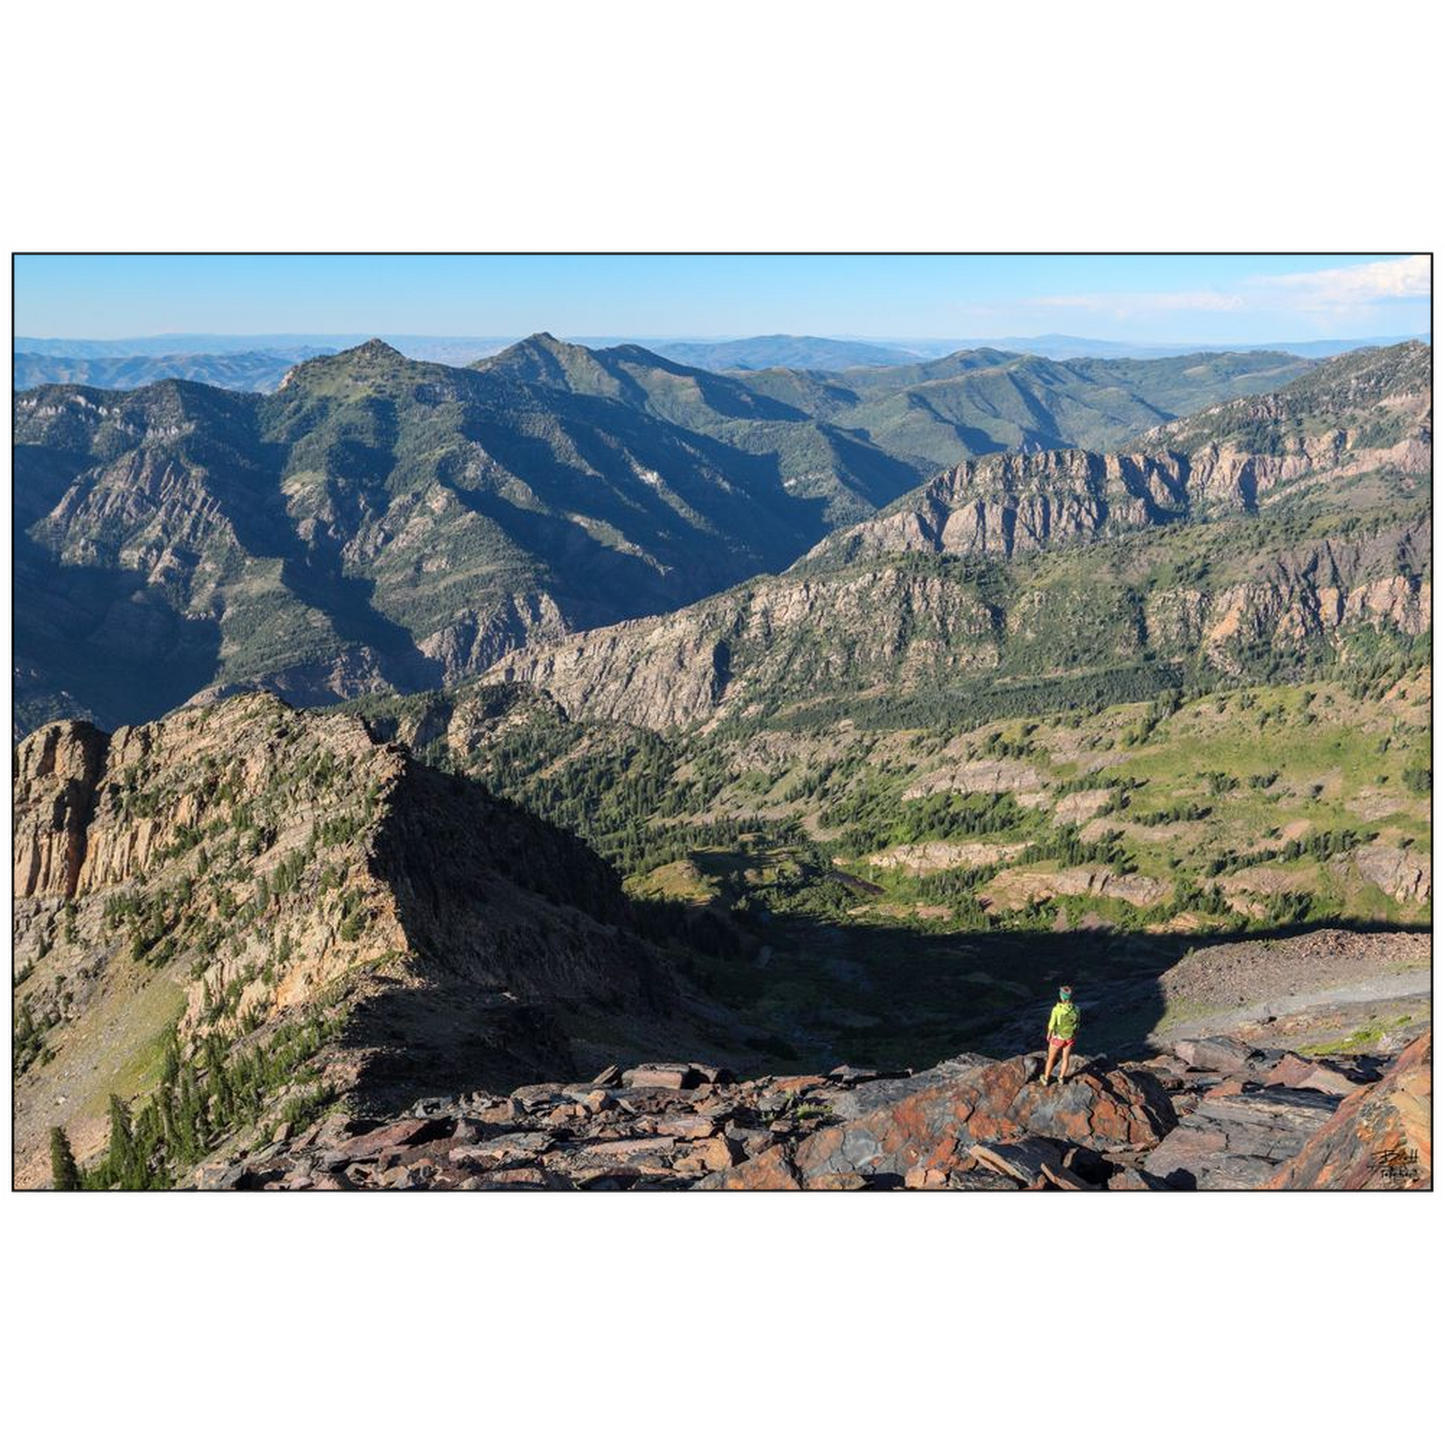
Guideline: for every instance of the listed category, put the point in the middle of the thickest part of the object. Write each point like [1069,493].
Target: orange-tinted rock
[991,1103]
[1378,1139]
[1299,1073]
[769,1170]
[836,1182]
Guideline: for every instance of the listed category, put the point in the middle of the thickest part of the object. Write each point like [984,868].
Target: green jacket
[1063,1021]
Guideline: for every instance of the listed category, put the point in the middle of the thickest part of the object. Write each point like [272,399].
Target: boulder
[995,1102]
[713,1155]
[837,1182]
[1130,1178]
[769,1170]
[712,1073]
[917,1178]
[221,1176]
[1378,1139]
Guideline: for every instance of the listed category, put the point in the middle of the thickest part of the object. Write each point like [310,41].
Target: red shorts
[1059,1043]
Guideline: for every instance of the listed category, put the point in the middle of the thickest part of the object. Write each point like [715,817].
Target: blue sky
[1126,298]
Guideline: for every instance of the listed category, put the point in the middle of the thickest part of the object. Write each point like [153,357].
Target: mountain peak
[376,347]
[346,370]
[540,357]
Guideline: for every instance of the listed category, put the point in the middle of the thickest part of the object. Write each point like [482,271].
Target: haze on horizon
[1150,299]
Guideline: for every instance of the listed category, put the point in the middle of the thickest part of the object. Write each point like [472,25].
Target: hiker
[1063,1025]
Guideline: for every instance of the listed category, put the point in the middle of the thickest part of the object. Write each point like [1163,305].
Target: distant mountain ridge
[376,522]
[382,523]
[234,370]
[1059,347]
[1231,557]
[807,353]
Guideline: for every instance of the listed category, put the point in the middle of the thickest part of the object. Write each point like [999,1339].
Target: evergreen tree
[63,1168]
[121,1158]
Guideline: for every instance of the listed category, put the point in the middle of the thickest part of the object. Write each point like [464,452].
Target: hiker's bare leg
[1064,1062]
[1049,1062]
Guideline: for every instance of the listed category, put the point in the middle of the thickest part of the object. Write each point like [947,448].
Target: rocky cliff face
[790,635]
[1022,502]
[231,869]
[885,625]
[56,773]
[1247,454]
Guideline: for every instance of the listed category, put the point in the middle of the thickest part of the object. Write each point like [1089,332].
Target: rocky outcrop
[1378,1139]
[933,1128]
[471,643]
[788,635]
[1403,873]
[1018,502]
[1231,458]
[1220,1114]
[921,859]
[1018,887]
[57,771]
[243,870]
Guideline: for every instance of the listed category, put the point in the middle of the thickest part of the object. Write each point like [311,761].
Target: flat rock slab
[398,1135]
[662,1076]
[1129,1178]
[1025,1161]
[1296,1072]
[1239,1141]
[1227,1056]
[978,1181]
[853,1074]
[892,1088]
[503,1147]
[690,1126]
